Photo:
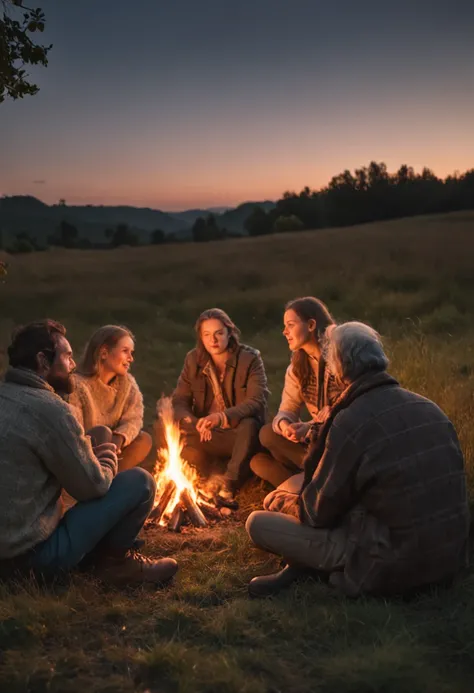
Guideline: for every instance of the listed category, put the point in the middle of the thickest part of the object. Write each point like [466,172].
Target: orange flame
[170,464]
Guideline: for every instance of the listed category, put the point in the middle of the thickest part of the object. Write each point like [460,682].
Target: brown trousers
[284,459]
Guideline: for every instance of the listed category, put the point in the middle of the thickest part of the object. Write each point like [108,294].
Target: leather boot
[266,585]
[133,567]
[226,495]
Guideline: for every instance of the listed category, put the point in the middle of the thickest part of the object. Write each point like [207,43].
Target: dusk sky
[175,104]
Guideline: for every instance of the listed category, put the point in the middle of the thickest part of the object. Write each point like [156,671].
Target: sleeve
[182,396]
[291,401]
[257,395]
[331,492]
[131,421]
[67,452]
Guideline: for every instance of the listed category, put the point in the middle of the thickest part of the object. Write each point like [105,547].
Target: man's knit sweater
[42,450]
[118,405]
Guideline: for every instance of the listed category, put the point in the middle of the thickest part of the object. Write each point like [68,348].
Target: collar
[230,363]
[28,378]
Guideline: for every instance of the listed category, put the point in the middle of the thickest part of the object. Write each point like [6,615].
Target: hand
[205,425]
[285,428]
[119,440]
[210,421]
[282,502]
[296,432]
[107,453]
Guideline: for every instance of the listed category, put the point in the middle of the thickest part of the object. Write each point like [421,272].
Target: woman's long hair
[215,314]
[308,308]
[109,336]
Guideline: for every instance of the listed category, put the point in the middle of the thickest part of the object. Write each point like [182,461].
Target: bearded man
[43,450]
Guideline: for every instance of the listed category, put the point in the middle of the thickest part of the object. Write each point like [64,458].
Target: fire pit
[181,497]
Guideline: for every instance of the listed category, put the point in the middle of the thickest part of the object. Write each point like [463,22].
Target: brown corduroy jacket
[244,387]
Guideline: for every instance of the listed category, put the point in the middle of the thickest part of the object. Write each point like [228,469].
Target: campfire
[181,498]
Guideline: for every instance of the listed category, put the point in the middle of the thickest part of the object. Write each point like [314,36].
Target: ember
[180,497]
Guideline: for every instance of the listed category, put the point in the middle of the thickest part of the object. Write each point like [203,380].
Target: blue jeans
[113,521]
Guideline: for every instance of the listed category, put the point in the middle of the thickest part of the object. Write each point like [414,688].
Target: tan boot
[135,568]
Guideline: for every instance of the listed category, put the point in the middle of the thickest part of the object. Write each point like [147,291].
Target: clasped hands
[281,501]
[296,432]
[106,453]
[285,498]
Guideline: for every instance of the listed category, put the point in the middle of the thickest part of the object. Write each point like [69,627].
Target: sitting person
[220,399]
[43,449]
[106,394]
[382,506]
[307,383]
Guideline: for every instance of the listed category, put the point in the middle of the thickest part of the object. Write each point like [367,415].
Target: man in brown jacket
[220,399]
[382,505]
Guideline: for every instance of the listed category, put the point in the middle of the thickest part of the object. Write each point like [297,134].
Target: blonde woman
[106,394]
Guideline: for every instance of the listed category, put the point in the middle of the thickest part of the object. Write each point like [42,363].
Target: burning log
[177,519]
[210,512]
[193,511]
[165,498]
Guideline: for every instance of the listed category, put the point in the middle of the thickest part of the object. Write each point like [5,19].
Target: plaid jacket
[393,472]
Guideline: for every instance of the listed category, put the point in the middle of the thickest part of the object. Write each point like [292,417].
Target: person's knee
[138,481]
[100,434]
[267,436]
[145,441]
[249,427]
[259,464]
[254,524]
[255,465]
[249,424]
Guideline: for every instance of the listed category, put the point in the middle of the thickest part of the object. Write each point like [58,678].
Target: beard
[61,383]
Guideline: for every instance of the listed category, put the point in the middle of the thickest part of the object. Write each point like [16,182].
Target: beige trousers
[298,544]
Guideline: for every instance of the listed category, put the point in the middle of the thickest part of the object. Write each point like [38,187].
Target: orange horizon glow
[179,195]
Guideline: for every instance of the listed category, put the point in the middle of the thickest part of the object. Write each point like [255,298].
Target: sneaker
[135,568]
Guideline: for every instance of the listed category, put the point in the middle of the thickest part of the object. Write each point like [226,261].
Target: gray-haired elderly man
[382,505]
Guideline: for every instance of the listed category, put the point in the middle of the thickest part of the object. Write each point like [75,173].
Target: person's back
[413,524]
[29,493]
[34,425]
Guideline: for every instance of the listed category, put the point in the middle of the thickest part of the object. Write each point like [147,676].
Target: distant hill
[190,215]
[28,214]
[234,219]
[24,213]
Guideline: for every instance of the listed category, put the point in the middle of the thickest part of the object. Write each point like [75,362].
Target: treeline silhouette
[369,194]
[67,236]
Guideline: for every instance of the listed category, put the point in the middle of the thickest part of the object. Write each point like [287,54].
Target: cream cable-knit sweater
[118,405]
[43,449]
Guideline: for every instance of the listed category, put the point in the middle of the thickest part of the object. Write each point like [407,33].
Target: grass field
[413,280]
